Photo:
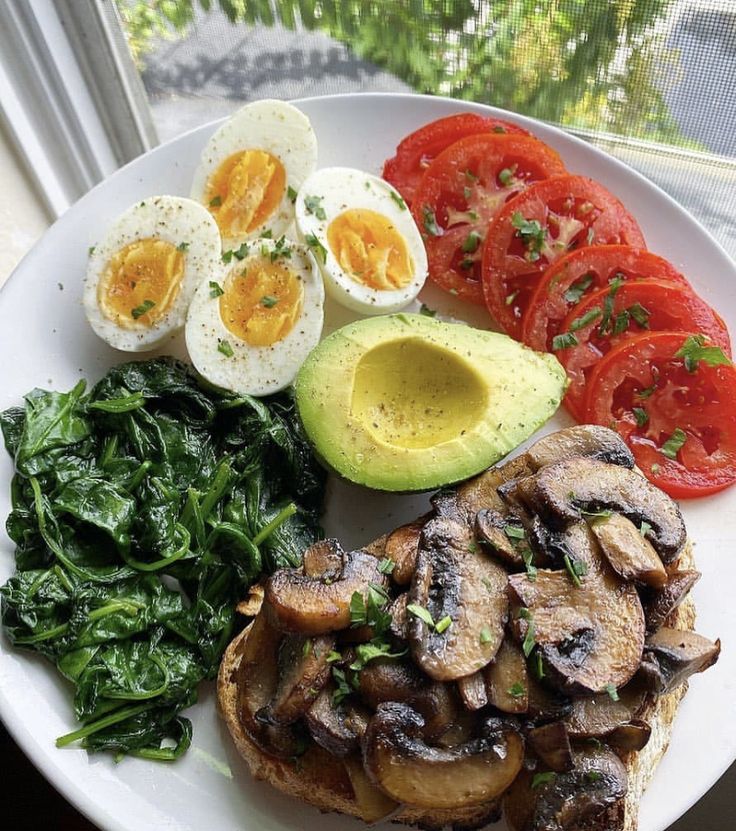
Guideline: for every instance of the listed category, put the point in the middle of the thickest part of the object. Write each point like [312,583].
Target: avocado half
[409,403]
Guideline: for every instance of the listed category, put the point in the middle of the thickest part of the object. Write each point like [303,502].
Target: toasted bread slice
[331,784]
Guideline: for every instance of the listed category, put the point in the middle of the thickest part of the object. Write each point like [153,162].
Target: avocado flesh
[408,403]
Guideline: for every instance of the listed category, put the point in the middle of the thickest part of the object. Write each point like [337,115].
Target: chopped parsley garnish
[645,528]
[216,202]
[281,249]
[366,652]
[267,234]
[584,320]
[529,643]
[578,289]
[532,235]
[510,298]
[485,635]
[333,656]
[472,241]
[307,648]
[182,246]
[215,289]
[621,322]
[593,776]
[91,250]
[430,222]
[319,250]
[674,443]
[694,350]
[538,665]
[603,513]
[614,285]
[565,340]
[528,557]
[343,689]
[612,691]
[291,193]
[421,613]
[239,253]
[513,532]
[443,625]
[224,347]
[386,566]
[399,201]
[426,311]
[542,778]
[313,205]
[640,315]
[641,416]
[516,690]
[576,569]
[139,311]
[269,301]
[506,176]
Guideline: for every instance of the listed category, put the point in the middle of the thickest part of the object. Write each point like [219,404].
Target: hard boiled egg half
[364,238]
[250,330]
[142,275]
[252,168]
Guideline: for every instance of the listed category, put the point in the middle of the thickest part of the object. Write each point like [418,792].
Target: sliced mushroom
[314,606]
[546,704]
[671,656]
[502,536]
[507,682]
[587,440]
[631,737]
[629,554]
[662,603]
[336,727]
[252,603]
[472,690]
[563,491]
[372,802]
[402,546]
[323,559]
[257,681]
[455,579]
[589,636]
[596,716]
[303,671]
[574,542]
[397,610]
[551,743]
[410,771]
[383,681]
[566,800]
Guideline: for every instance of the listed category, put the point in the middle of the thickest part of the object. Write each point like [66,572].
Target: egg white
[255,370]
[341,189]
[275,127]
[173,219]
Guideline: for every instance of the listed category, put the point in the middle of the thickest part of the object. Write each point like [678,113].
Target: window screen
[651,81]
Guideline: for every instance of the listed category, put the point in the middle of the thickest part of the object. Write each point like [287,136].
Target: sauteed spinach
[141,514]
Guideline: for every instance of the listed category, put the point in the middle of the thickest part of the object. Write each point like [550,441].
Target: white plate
[45,341]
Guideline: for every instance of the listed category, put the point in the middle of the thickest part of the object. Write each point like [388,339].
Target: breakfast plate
[46,342]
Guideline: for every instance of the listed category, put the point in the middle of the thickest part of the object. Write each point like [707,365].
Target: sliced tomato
[460,193]
[415,153]
[610,316]
[542,224]
[678,416]
[581,273]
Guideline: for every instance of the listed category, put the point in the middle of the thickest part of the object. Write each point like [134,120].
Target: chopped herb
[239,254]
[182,246]
[224,347]
[399,201]
[467,193]
[333,656]
[216,202]
[578,289]
[674,443]
[421,613]
[291,193]
[532,235]
[343,689]
[513,532]
[641,416]
[307,648]
[386,566]
[319,250]
[499,129]
[485,635]
[542,779]
[281,249]
[694,350]
[506,176]
[366,652]
[593,776]
[139,311]
[571,571]
[640,315]
[645,393]
[565,340]
[269,301]
[267,234]
[621,322]
[430,222]
[471,176]
[215,289]
[472,241]
[426,311]
[516,690]
[645,528]
[614,285]
[612,691]
[472,547]
[510,298]
[524,614]
[538,666]
[603,513]
[91,250]
[584,320]
[466,263]
[453,292]
[528,557]
[529,642]
[357,609]
[313,205]
[443,624]
[655,468]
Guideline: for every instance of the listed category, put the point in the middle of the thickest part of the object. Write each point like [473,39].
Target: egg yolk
[261,304]
[141,282]
[245,190]
[370,250]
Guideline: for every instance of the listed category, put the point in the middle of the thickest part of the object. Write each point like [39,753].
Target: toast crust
[322,780]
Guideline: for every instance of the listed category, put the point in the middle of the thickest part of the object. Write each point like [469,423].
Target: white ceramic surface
[45,341]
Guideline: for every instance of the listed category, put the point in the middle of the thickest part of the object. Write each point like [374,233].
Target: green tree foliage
[582,63]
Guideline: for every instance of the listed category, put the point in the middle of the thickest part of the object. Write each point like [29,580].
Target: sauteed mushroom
[402,546]
[662,603]
[587,440]
[336,727]
[506,677]
[629,554]
[473,692]
[671,656]
[551,743]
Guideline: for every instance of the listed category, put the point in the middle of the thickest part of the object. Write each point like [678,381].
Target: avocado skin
[406,403]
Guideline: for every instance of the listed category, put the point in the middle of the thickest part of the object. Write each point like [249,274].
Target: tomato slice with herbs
[622,310]
[672,396]
[542,224]
[415,152]
[460,193]
[579,274]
